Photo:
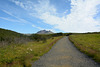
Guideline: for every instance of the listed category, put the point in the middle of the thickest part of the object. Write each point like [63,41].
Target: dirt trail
[65,54]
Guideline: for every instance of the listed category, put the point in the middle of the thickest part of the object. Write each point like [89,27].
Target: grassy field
[88,43]
[24,55]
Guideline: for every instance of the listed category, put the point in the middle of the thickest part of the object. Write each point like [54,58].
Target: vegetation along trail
[65,54]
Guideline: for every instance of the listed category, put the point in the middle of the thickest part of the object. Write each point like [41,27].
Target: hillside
[7,37]
[44,32]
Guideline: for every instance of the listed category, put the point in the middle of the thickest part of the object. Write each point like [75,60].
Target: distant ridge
[44,32]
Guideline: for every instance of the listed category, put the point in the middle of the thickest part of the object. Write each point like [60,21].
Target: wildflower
[30,49]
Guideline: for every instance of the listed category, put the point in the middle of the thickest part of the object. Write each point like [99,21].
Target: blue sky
[30,16]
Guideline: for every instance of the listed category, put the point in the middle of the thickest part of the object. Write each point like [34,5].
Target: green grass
[23,55]
[88,43]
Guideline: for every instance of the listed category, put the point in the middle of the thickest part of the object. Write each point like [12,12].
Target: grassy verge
[24,55]
[88,43]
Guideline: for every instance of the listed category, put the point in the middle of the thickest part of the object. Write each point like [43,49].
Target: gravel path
[64,54]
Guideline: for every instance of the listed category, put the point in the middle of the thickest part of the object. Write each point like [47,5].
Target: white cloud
[80,18]
[20,20]
[37,27]
[23,4]
[9,19]
[17,18]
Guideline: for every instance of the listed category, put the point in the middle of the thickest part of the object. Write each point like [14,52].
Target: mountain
[44,32]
